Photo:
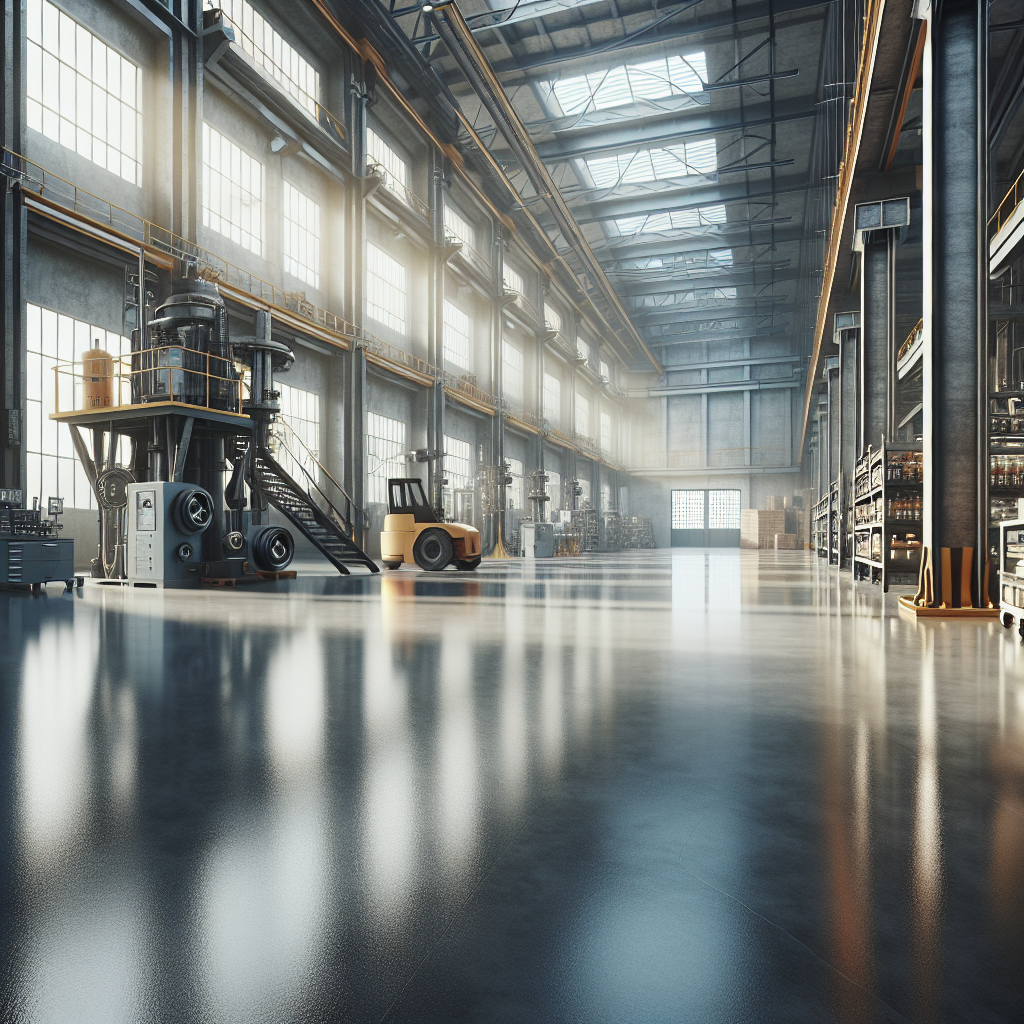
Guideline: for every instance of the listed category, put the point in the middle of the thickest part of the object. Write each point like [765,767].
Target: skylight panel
[720,257]
[697,157]
[704,216]
[616,87]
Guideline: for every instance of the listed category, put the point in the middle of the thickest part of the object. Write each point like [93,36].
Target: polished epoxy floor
[662,786]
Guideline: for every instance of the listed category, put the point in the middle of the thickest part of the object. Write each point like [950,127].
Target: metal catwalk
[691,785]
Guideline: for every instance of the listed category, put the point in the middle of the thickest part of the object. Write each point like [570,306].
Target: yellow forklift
[413,533]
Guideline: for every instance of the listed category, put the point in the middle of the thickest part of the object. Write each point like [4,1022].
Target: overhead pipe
[462,45]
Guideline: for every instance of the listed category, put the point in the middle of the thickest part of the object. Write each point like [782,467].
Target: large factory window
[385,445]
[261,41]
[606,433]
[232,192]
[81,93]
[552,320]
[552,400]
[512,367]
[52,469]
[582,415]
[385,289]
[301,412]
[456,336]
[554,489]
[512,280]
[301,236]
[458,467]
[516,491]
[458,227]
[395,169]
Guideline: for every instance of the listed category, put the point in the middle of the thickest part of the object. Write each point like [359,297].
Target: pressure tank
[97,379]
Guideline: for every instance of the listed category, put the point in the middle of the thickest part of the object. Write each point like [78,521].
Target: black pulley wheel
[192,511]
[433,550]
[271,548]
[467,564]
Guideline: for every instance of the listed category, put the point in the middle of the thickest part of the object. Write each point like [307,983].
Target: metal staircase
[327,529]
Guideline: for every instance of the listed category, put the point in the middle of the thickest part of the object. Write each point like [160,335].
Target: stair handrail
[343,520]
[293,485]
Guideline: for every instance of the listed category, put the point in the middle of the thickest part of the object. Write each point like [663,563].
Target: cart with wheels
[1011,574]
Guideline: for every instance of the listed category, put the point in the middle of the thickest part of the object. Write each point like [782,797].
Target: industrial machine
[538,539]
[31,551]
[413,533]
[195,405]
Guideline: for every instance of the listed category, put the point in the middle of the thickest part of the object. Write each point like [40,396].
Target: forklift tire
[392,565]
[467,564]
[433,550]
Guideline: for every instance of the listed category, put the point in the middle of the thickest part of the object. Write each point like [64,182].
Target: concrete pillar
[878,331]
[834,417]
[848,436]
[14,229]
[834,414]
[955,303]
[355,358]
[435,332]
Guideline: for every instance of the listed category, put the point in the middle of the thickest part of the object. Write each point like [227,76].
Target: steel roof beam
[664,129]
[740,24]
[745,277]
[672,200]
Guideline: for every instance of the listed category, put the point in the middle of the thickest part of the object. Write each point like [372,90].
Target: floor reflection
[698,784]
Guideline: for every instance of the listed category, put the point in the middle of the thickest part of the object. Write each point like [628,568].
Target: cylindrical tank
[97,379]
[185,354]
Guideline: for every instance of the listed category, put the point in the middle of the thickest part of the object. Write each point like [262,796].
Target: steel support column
[14,231]
[355,358]
[955,304]
[834,417]
[435,334]
[878,333]
[848,435]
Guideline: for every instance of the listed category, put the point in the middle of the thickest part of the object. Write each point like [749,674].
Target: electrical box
[164,536]
[538,540]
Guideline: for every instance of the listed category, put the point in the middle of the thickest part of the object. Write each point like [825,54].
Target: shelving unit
[1006,462]
[888,499]
[820,527]
[1011,574]
[835,525]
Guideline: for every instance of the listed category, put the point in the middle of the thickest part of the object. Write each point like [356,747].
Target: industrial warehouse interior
[510,511]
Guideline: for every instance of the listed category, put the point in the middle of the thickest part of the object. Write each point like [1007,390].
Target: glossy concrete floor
[662,786]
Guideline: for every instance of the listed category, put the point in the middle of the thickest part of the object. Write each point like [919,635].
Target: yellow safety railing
[1009,203]
[167,373]
[912,338]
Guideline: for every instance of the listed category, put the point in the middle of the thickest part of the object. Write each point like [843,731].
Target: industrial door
[706,518]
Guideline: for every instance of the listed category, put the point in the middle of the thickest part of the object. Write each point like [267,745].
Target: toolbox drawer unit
[35,560]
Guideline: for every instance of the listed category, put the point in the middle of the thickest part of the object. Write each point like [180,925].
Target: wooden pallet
[260,577]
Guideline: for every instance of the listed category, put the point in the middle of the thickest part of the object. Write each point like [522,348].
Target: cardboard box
[758,527]
[785,542]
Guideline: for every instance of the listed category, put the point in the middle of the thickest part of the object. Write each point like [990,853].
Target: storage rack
[1006,461]
[887,510]
[835,525]
[1011,574]
[820,527]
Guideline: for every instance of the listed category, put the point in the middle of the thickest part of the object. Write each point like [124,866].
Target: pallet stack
[758,527]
